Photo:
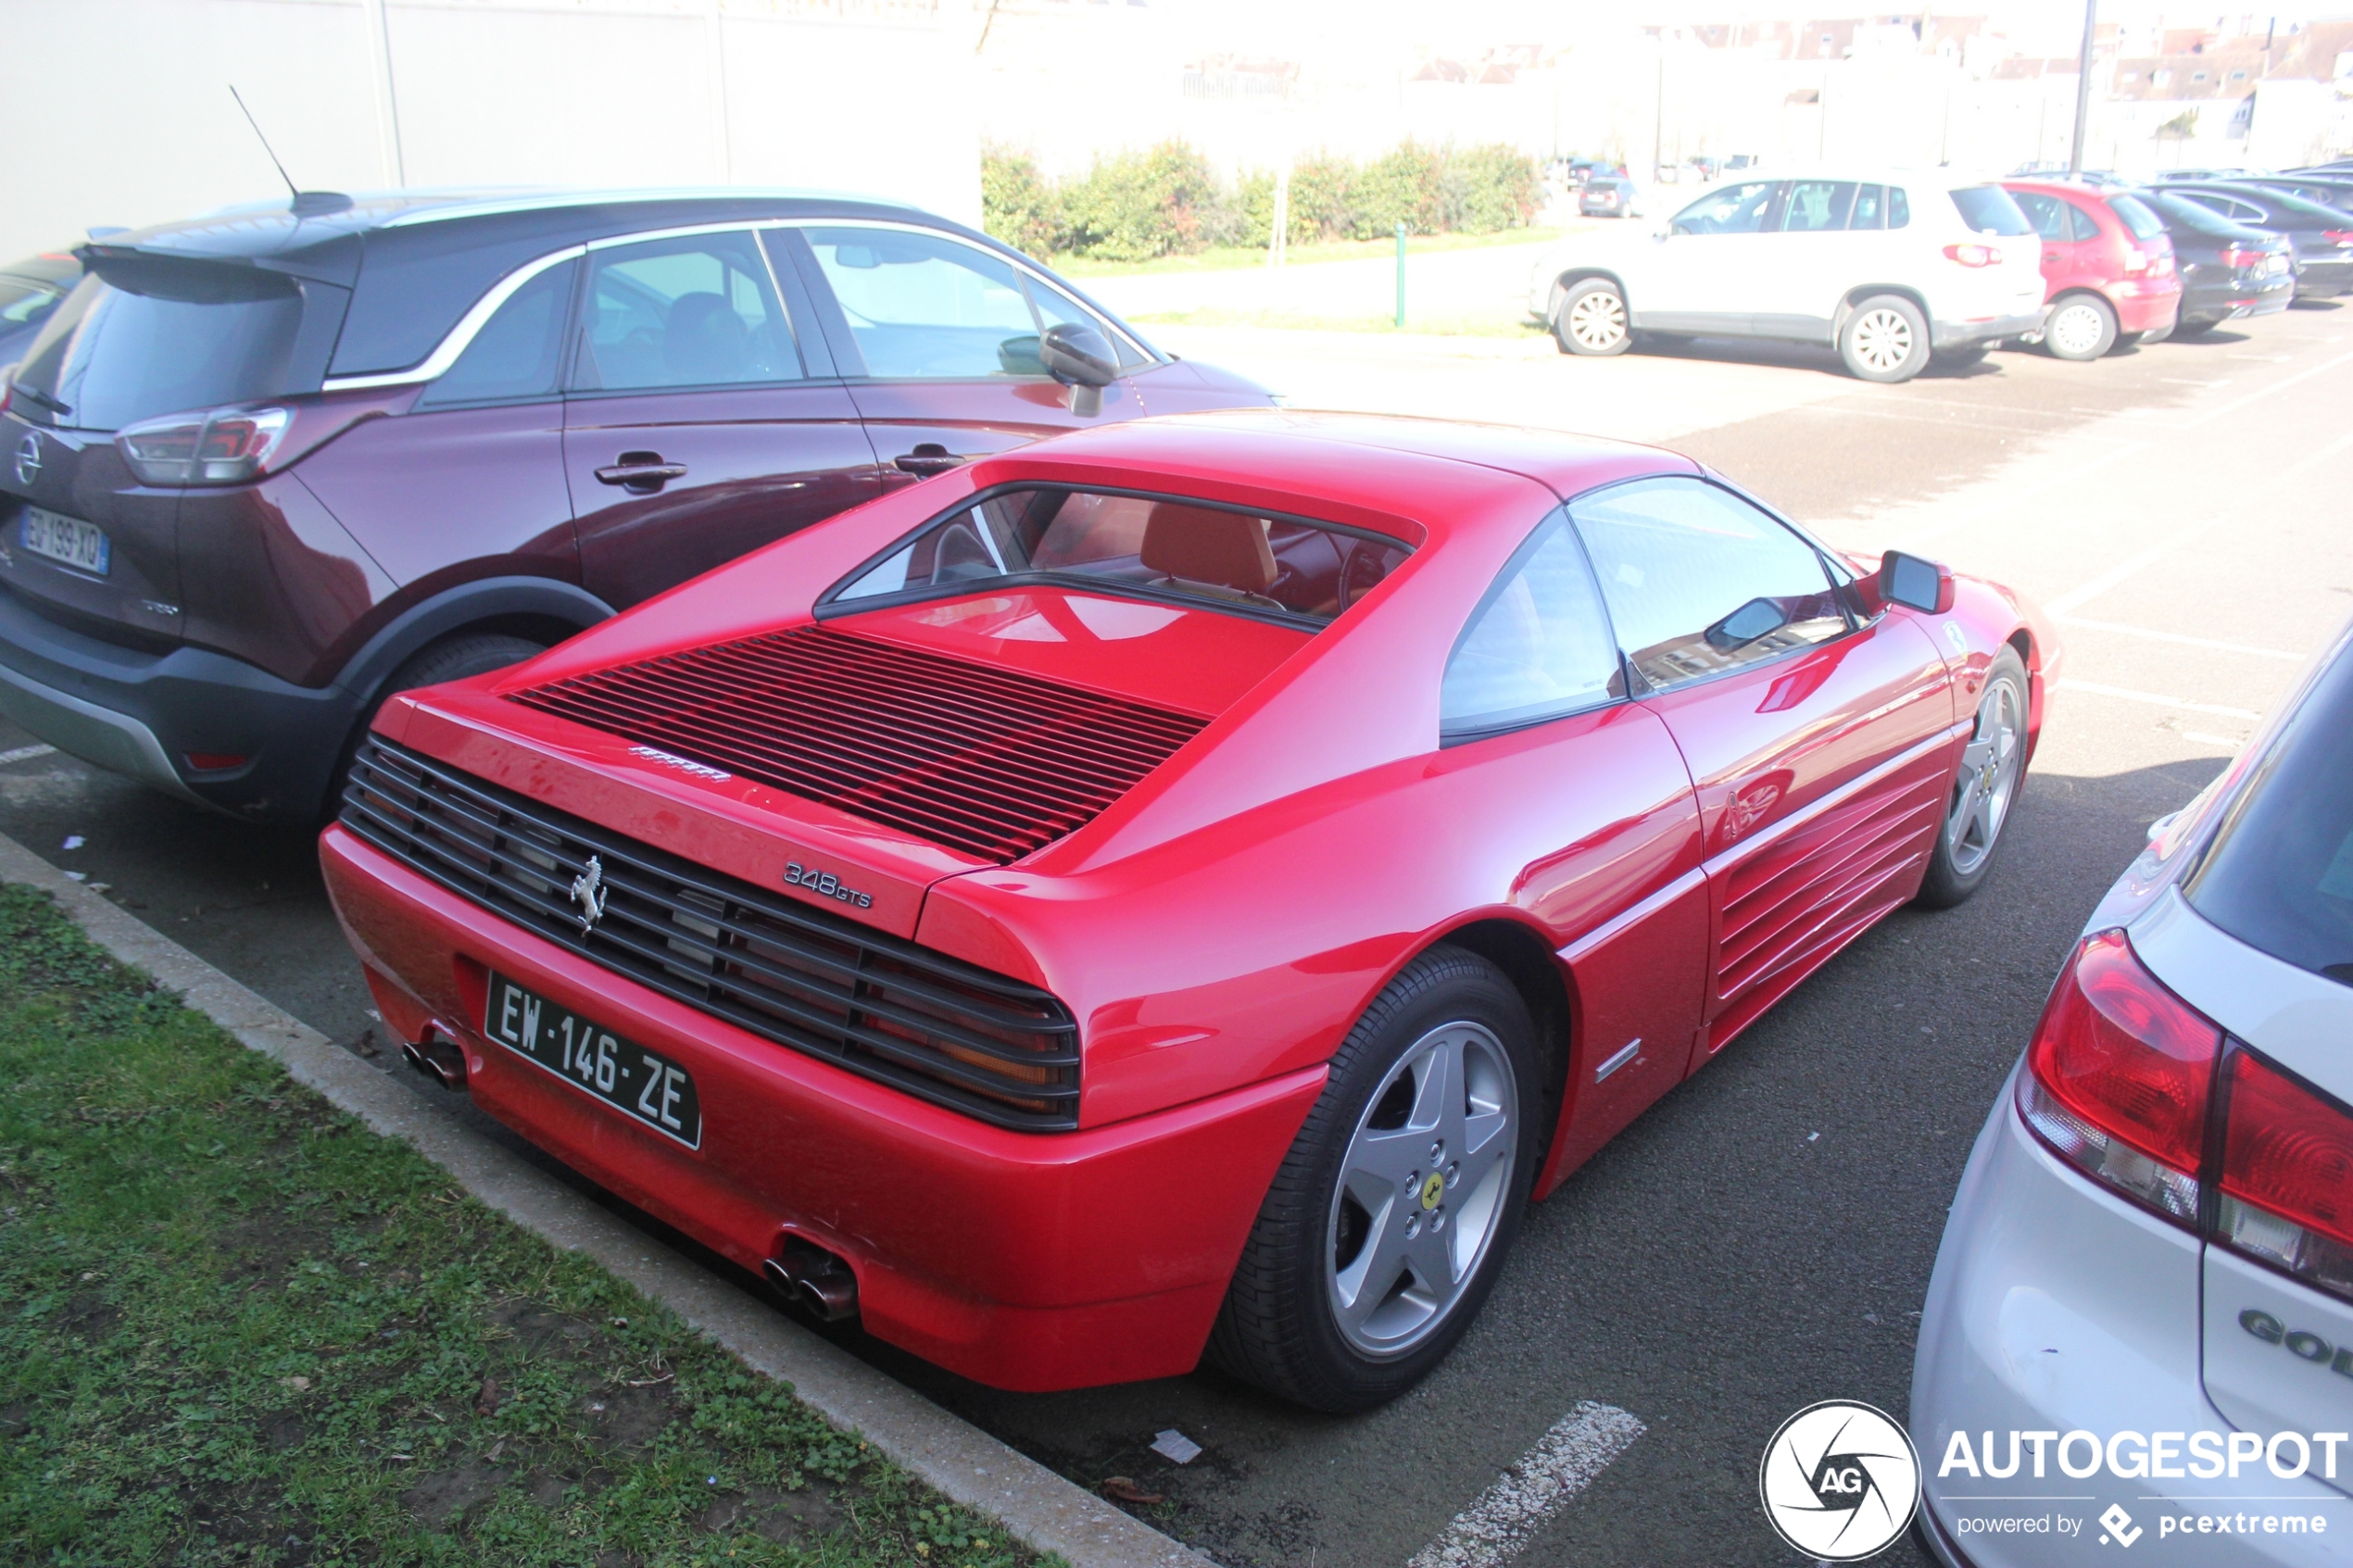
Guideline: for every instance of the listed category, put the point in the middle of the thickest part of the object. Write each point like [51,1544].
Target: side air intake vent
[990,762]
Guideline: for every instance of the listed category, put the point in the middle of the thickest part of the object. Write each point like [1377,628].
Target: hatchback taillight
[2287,1175]
[2243,255]
[1973,256]
[2340,238]
[223,447]
[2119,1075]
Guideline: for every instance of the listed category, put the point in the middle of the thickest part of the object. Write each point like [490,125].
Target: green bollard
[1400,275]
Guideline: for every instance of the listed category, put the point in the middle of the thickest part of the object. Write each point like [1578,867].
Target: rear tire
[1591,321]
[454,657]
[1985,788]
[1886,340]
[1348,1292]
[2082,327]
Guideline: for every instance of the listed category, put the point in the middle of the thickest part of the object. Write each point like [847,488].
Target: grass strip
[238,1327]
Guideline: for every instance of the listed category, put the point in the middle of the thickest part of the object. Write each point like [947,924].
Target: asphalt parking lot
[1762,1238]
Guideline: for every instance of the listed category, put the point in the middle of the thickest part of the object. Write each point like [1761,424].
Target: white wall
[121,114]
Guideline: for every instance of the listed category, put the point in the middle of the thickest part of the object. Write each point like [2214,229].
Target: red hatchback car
[1179,888]
[2107,264]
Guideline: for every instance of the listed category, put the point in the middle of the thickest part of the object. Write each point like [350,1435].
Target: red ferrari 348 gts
[1180,888]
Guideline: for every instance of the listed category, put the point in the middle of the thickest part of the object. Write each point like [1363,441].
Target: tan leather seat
[1221,549]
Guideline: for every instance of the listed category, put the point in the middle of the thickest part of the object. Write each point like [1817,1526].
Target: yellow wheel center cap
[1432,1190]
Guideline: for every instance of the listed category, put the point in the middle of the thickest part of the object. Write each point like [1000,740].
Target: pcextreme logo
[1840,1480]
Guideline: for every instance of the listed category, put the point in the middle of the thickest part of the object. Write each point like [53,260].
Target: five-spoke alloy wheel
[1985,787]
[1386,1225]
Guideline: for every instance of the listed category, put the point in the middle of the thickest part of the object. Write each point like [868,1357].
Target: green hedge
[1166,200]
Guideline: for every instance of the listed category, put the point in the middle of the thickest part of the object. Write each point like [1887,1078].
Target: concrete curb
[958,1460]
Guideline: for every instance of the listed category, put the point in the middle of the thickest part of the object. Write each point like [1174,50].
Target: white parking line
[25,754]
[2235,404]
[2011,499]
[2215,643]
[1499,1526]
[2093,688]
[2132,565]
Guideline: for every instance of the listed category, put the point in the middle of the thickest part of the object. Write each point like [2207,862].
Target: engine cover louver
[987,761]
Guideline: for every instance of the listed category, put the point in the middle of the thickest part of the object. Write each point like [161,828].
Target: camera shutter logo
[1840,1480]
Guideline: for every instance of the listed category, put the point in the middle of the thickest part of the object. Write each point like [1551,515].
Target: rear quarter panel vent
[989,762]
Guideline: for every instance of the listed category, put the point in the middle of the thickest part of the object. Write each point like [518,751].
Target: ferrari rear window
[1153,547]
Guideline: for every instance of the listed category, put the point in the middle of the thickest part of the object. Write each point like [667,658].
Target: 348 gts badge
[825,884]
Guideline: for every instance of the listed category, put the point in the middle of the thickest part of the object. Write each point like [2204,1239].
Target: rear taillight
[2340,238]
[2287,1175]
[223,447]
[2120,1074]
[2242,255]
[1973,256]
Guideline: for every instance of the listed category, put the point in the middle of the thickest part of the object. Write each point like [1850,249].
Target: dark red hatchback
[263,469]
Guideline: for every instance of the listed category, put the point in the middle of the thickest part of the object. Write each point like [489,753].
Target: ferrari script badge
[588,891]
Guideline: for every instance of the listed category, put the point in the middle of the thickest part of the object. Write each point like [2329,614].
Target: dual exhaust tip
[820,1280]
[439,1059]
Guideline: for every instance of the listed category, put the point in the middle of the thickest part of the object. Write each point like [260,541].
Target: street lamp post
[2083,88]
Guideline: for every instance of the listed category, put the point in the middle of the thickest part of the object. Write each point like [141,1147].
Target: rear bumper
[1960,334]
[140,713]
[2055,1308]
[2229,301]
[2324,274]
[1030,1262]
[2140,309]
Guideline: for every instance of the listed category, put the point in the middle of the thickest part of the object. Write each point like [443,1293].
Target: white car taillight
[1973,256]
[2287,1175]
[225,446]
[2118,1077]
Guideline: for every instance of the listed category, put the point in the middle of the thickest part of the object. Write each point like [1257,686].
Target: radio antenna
[265,142]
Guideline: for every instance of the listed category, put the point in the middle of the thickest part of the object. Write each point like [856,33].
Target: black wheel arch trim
[468,605]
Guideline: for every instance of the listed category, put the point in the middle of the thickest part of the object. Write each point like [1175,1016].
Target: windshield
[2280,875]
[2145,224]
[1988,210]
[1152,546]
[112,357]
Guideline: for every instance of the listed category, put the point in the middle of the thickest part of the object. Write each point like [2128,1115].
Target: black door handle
[928,459]
[641,473]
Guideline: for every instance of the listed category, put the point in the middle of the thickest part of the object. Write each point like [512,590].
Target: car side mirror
[1078,356]
[1758,618]
[1924,586]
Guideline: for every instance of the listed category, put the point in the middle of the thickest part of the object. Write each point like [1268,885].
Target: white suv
[1886,266]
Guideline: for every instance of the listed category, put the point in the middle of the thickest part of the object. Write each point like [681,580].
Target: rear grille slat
[961,1036]
[985,761]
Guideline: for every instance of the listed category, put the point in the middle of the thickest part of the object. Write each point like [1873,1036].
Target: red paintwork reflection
[1660,870]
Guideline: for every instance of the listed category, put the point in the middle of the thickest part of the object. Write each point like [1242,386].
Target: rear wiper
[32,395]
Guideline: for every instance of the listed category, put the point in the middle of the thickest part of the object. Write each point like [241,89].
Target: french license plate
[643,1084]
[80,544]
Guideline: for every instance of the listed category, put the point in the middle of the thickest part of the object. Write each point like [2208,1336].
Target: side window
[1537,647]
[1899,208]
[696,312]
[1699,582]
[1053,308]
[515,355]
[1815,204]
[2048,214]
[1735,209]
[1871,208]
[2082,224]
[924,307]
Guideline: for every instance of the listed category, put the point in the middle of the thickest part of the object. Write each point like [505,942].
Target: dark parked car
[2322,236]
[30,291]
[1608,195]
[2336,191]
[262,469]
[2227,270]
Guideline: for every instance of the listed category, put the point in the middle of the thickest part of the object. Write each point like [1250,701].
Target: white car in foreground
[2140,1328]
[1887,266]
